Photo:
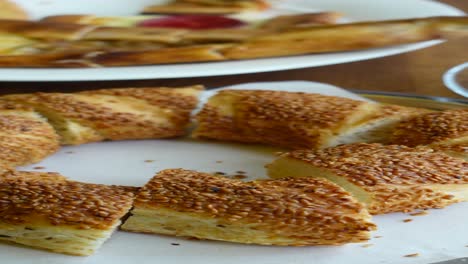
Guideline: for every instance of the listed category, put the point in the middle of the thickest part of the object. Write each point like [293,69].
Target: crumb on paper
[39,168]
[419,213]
[377,236]
[407,220]
[219,161]
[175,244]
[239,176]
[411,255]
[149,161]
[241,172]
[367,245]
[219,173]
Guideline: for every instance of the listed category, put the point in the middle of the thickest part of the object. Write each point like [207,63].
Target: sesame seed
[420,213]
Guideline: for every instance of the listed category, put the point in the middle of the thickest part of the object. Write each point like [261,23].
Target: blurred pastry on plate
[286,212]
[387,179]
[207,7]
[25,136]
[47,211]
[115,114]
[296,120]
[10,10]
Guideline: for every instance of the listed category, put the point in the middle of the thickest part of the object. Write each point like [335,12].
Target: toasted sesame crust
[286,119]
[374,164]
[116,114]
[51,200]
[458,150]
[398,178]
[432,128]
[25,137]
[314,211]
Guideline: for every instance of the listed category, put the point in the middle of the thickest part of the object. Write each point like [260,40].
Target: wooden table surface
[417,72]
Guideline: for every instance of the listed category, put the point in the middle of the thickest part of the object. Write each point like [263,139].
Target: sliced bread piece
[443,131]
[115,114]
[25,136]
[47,211]
[386,178]
[295,120]
[287,212]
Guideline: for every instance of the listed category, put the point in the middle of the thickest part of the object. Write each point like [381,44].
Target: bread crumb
[219,173]
[219,161]
[175,244]
[377,236]
[419,213]
[39,168]
[411,255]
[239,176]
[241,172]
[407,220]
[148,161]
[367,245]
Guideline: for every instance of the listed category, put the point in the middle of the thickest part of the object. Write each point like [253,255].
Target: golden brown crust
[44,30]
[342,37]
[398,178]
[286,119]
[10,10]
[41,198]
[160,56]
[49,60]
[296,208]
[432,128]
[74,19]
[116,114]
[135,33]
[300,20]
[25,137]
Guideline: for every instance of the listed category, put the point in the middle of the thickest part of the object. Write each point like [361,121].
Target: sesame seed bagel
[25,136]
[47,211]
[295,120]
[295,212]
[386,178]
[115,114]
[444,131]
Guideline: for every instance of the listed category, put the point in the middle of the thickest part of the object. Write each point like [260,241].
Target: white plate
[355,10]
[438,236]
